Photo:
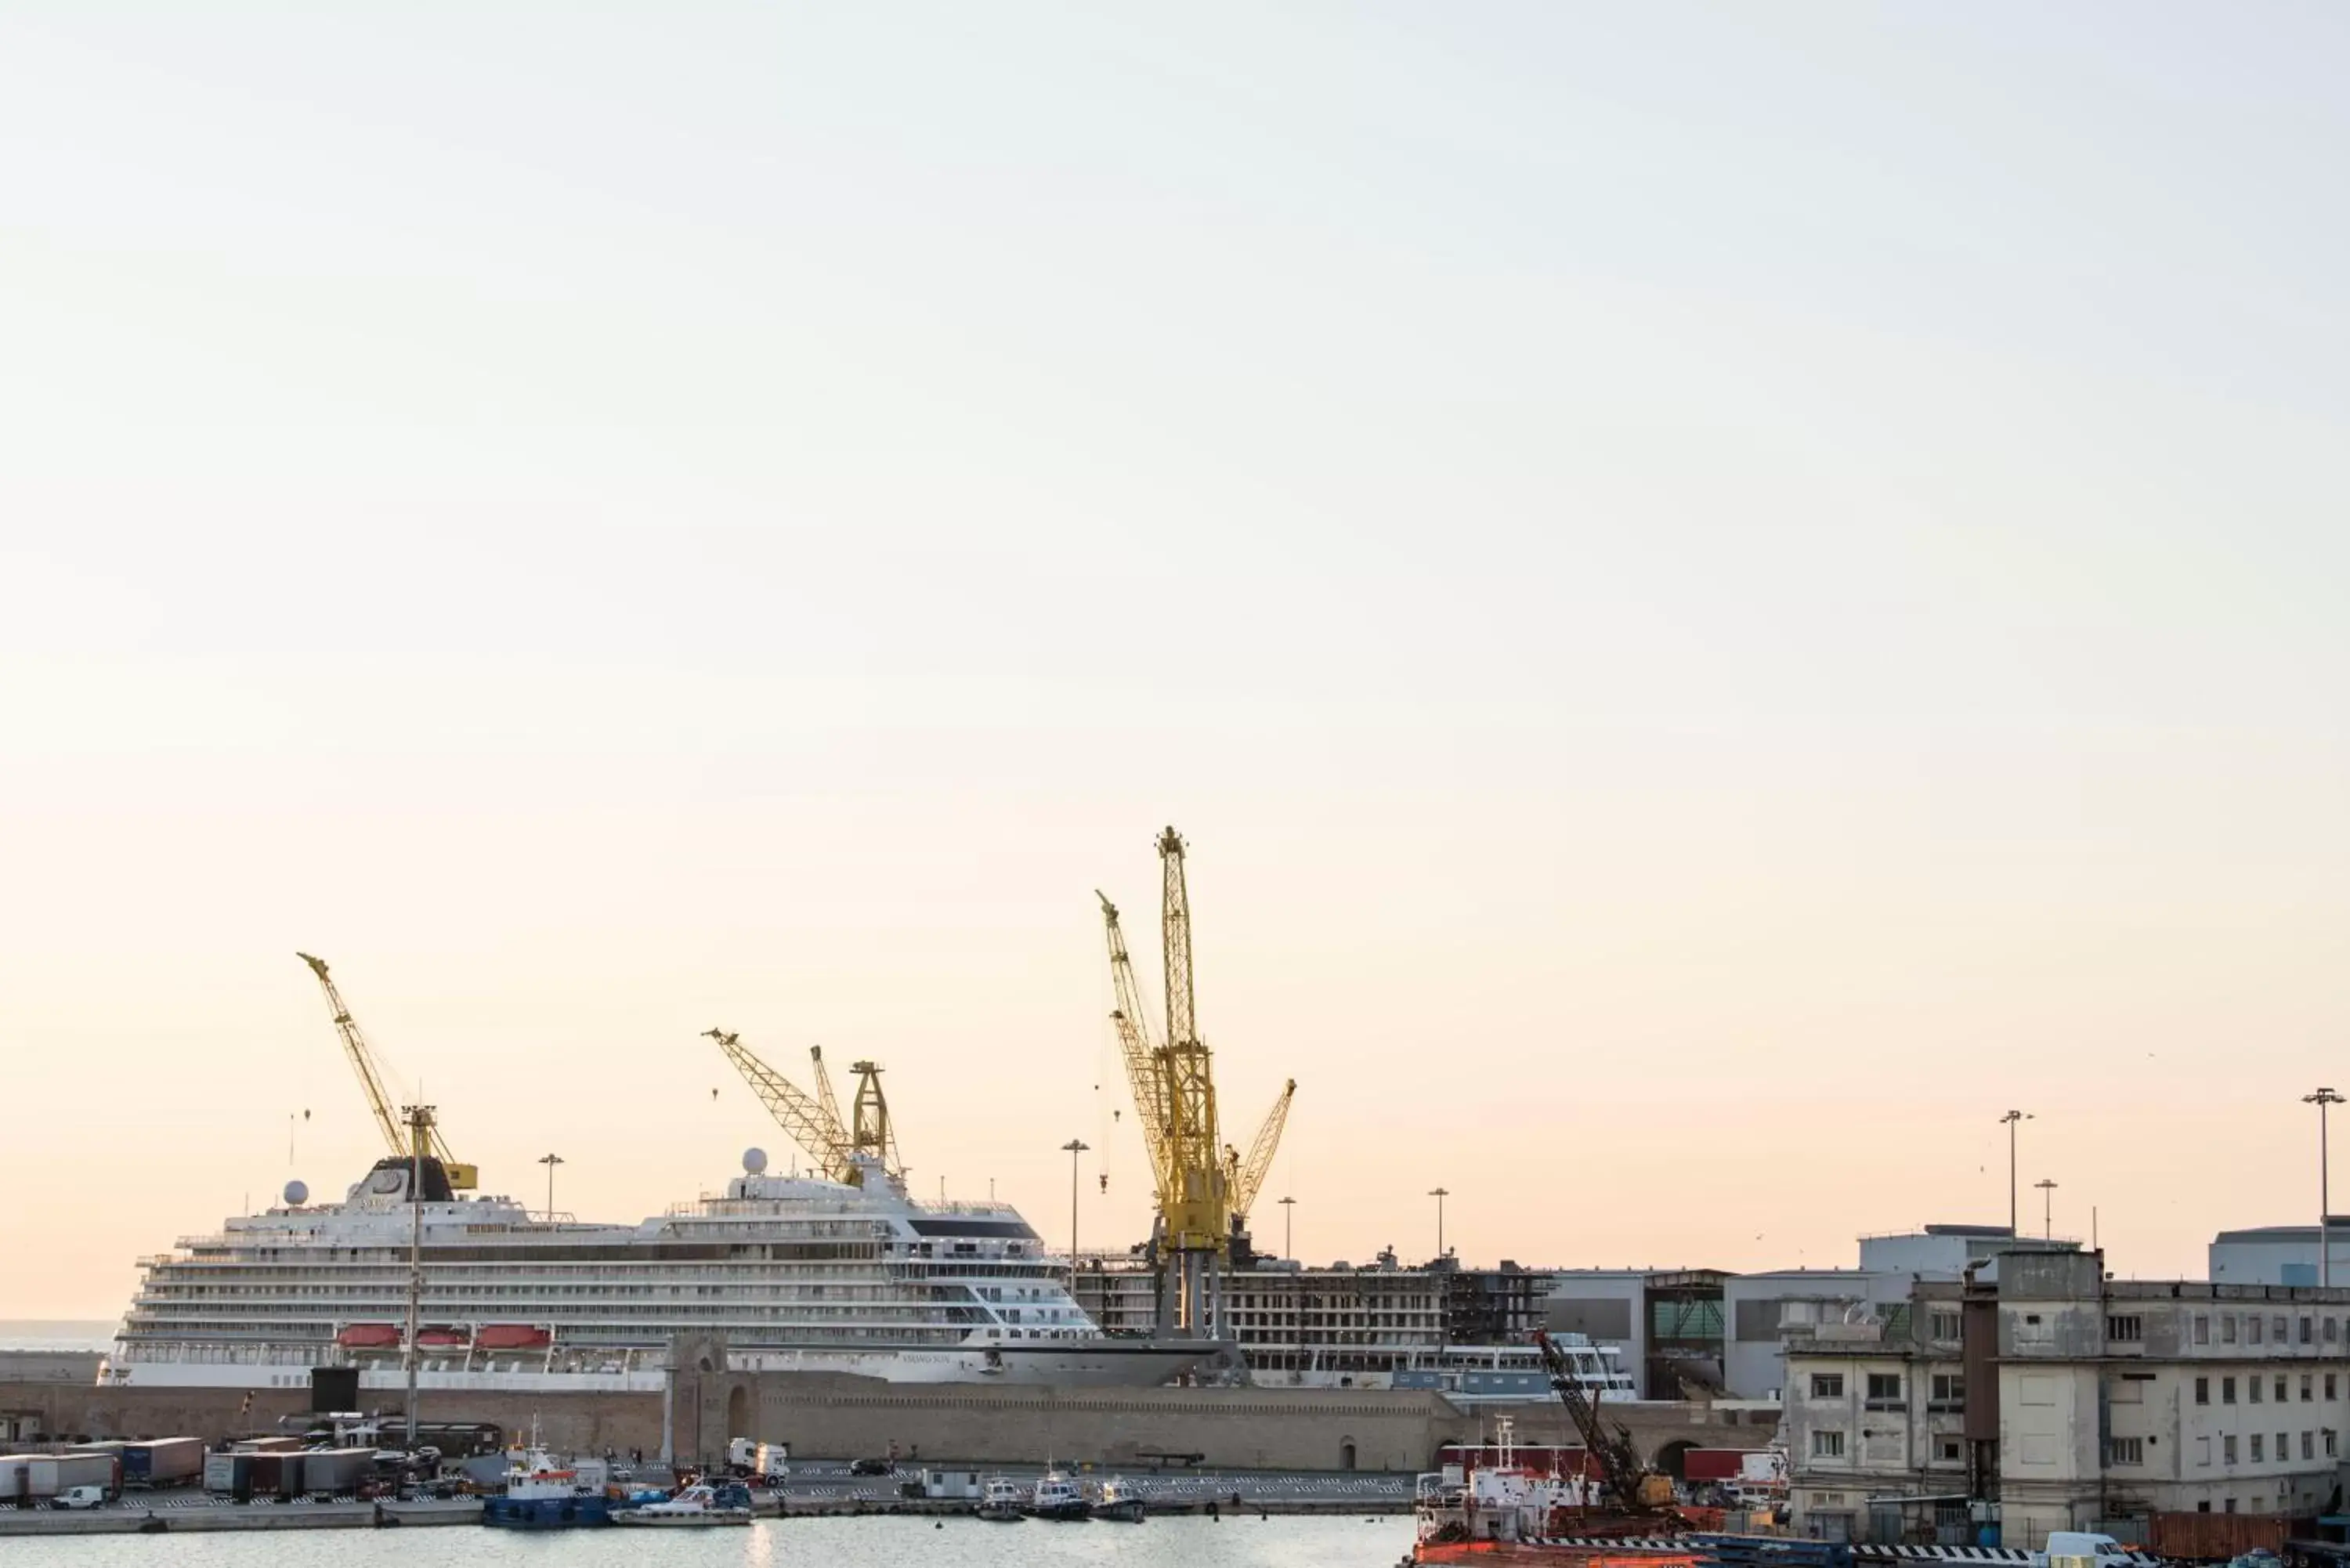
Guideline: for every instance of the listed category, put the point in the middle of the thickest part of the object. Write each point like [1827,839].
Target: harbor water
[907,1541]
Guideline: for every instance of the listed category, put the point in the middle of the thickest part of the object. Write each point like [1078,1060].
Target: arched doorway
[1672,1458]
[738,1412]
[1346,1454]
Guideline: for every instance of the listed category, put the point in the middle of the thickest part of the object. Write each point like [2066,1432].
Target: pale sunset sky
[1721,592]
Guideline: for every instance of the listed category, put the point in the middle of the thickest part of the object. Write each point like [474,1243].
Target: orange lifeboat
[368,1336]
[512,1336]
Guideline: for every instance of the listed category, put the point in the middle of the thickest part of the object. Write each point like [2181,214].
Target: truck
[760,1461]
[2080,1548]
[54,1475]
[155,1461]
[80,1497]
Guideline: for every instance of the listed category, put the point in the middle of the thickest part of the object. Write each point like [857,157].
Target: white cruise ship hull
[1112,1364]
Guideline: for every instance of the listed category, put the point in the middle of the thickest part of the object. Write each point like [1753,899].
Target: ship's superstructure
[796,1273]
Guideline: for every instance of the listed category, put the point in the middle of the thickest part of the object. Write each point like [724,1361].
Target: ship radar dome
[755,1160]
[297,1194]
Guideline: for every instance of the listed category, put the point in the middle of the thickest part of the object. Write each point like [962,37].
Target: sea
[904,1541]
[56,1334]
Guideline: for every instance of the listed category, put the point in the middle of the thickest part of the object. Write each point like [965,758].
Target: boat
[808,1274]
[699,1504]
[1004,1501]
[1058,1499]
[1116,1499]
[1507,1512]
[544,1493]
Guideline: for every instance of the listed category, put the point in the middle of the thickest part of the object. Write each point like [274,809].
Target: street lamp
[2048,1208]
[1440,1194]
[1288,1215]
[550,1161]
[2011,1120]
[1073,1148]
[2321,1099]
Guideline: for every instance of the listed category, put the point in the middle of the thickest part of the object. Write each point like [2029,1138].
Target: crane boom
[1248,1175]
[827,1101]
[1619,1460]
[462,1177]
[795,1110]
[1143,1054]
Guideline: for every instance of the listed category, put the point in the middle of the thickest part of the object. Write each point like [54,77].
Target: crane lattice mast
[1197,1222]
[1144,1072]
[1246,1178]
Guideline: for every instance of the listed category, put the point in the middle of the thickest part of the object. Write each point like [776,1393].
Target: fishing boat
[1004,1502]
[1116,1499]
[1057,1498]
[699,1504]
[543,1492]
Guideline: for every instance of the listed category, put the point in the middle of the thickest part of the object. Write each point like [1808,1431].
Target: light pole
[2048,1208]
[1440,1194]
[1288,1216]
[2011,1120]
[2321,1099]
[1073,1148]
[550,1161]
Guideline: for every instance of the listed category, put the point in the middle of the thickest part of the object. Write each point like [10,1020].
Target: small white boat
[697,1504]
[1004,1502]
[1115,1499]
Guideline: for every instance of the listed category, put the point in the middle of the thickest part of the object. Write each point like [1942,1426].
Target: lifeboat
[368,1336]
[512,1336]
[444,1338]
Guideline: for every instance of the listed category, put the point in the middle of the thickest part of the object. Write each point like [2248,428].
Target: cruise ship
[796,1273]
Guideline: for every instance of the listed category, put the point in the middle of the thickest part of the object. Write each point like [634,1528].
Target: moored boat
[1119,1500]
[1057,1498]
[542,1493]
[1004,1501]
[699,1504]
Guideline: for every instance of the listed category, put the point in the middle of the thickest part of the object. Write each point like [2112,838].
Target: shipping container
[2216,1537]
[229,1474]
[163,1461]
[12,1485]
[1713,1464]
[47,1475]
[277,1475]
[336,1472]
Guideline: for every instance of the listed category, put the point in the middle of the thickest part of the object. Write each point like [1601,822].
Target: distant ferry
[796,1273]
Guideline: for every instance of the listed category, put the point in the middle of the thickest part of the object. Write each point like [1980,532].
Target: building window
[1946,1448]
[2281,1389]
[1950,1391]
[2227,1328]
[1884,1389]
[2257,1455]
[1830,1445]
[2227,1390]
[2309,1444]
[2277,1324]
[2202,1390]
[2227,1450]
[2129,1450]
[2329,1386]
[2252,1387]
[1945,1325]
[2305,1394]
[2131,1328]
[2333,1329]
[2252,1329]
[1828,1386]
[2202,1329]
[2228,1505]
[2284,1446]
[2306,1334]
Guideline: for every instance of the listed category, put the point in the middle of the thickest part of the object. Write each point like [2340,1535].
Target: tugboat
[541,1493]
[1004,1501]
[1115,1499]
[1056,1498]
[699,1504]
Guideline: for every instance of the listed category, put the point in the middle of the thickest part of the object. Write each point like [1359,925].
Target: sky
[1722,594]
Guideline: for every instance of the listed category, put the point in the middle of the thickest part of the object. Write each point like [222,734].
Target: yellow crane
[814,1123]
[1203,1187]
[397,1136]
